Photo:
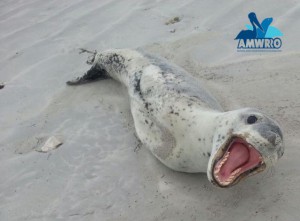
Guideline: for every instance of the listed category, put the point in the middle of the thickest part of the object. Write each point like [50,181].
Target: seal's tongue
[238,156]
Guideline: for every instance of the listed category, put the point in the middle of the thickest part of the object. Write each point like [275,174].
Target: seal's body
[182,123]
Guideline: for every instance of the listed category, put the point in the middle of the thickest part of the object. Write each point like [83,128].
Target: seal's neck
[195,139]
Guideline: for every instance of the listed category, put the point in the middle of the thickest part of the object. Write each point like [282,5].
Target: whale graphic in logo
[259,35]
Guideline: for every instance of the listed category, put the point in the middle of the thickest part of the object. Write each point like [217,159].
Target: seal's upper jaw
[236,160]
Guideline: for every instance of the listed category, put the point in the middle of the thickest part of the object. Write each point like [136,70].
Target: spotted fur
[181,123]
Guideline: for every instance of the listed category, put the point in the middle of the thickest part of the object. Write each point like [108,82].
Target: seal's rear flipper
[91,75]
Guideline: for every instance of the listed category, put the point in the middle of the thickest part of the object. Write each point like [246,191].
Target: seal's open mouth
[238,160]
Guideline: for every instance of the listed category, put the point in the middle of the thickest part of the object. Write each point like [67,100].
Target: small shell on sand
[50,144]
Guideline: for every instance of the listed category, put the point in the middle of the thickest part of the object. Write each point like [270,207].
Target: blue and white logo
[259,36]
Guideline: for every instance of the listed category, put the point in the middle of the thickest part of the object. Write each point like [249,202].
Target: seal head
[246,142]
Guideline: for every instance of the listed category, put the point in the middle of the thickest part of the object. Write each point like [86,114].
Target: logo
[259,37]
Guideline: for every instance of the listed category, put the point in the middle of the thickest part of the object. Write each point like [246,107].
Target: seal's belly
[162,105]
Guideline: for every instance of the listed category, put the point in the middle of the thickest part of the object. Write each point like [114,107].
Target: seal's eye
[251,119]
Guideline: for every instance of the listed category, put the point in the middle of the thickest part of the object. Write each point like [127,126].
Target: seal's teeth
[225,158]
[236,171]
[232,176]
[217,168]
[218,178]
[225,182]
[227,155]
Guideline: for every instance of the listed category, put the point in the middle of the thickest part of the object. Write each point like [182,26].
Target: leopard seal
[183,125]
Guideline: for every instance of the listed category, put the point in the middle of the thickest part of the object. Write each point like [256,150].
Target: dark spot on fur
[208,154]
[146,121]
[199,139]
[137,86]
[116,61]
[137,89]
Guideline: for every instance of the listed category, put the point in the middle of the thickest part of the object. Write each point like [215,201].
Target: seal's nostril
[273,138]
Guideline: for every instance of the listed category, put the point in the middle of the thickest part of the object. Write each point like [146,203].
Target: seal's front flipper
[91,75]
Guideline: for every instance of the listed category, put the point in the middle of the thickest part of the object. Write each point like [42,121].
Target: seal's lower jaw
[238,159]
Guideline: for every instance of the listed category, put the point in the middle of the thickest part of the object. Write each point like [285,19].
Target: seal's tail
[118,64]
[91,75]
[95,73]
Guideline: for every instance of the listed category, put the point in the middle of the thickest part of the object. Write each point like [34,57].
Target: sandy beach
[100,172]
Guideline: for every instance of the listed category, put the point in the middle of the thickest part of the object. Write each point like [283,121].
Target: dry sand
[98,174]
